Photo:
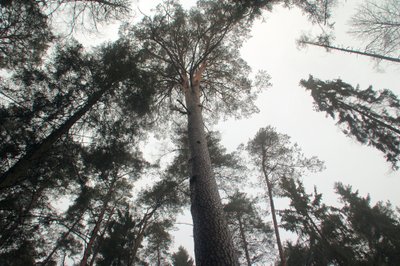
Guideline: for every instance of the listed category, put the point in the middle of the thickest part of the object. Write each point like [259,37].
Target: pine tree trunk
[60,240]
[380,122]
[101,238]
[158,256]
[27,161]
[272,205]
[212,239]
[244,241]
[138,242]
[376,56]
[140,235]
[7,234]
[93,237]
[96,229]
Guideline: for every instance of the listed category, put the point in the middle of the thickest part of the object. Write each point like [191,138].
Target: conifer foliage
[371,117]
[26,26]
[252,235]
[195,55]
[354,234]
[72,124]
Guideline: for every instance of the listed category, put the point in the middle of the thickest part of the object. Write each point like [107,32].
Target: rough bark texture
[213,241]
[272,205]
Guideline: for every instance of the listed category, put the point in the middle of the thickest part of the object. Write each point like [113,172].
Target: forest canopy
[108,149]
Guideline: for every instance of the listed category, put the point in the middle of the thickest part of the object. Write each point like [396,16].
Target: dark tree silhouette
[182,258]
[371,117]
[25,28]
[195,57]
[252,236]
[159,241]
[354,234]
[54,101]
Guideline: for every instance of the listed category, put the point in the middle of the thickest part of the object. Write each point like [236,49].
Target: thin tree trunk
[212,239]
[383,124]
[138,242]
[63,237]
[27,161]
[63,260]
[377,56]
[343,258]
[93,235]
[101,238]
[24,213]
[158,256]
[244,241]
[140,234]
[272,205]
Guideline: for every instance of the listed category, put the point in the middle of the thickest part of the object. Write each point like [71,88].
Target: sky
[289,108]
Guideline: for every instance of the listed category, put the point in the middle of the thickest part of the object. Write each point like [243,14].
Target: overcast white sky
[288,107]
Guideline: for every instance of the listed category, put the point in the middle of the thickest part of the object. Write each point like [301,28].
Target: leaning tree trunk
[7,234]
[276,228]
[140,234]
[101,237]
[272,205]
[96,229]
[158,255]
[61,240]
[93,237]
[27,161]
[376,56]
[212,239]
[244,241]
